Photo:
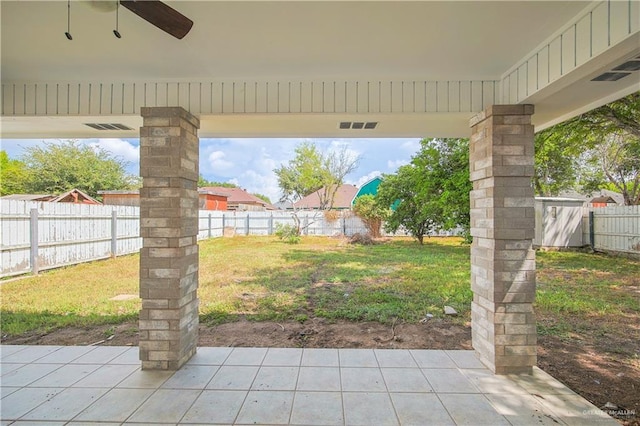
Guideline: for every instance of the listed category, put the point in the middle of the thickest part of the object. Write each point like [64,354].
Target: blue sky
[249,163]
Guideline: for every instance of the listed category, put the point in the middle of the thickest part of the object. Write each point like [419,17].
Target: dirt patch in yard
[598,369]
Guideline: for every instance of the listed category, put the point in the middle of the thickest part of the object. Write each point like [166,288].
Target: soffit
[274,40]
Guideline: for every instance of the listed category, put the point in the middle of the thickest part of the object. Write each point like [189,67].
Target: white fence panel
[69,234]
[72,233]
[15,247]
[66,234]
[128,230]
[617,229]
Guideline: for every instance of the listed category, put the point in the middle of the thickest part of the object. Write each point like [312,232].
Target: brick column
[169,148]
[502,225]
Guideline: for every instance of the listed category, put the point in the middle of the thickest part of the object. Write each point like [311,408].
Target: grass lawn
[261,278]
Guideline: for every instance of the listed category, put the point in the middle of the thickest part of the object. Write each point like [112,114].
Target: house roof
[588,198]
[53,198]
[120,192]
[344,196]
[603,199]
[28,197]
[137,192]
[75,196]
[238,196]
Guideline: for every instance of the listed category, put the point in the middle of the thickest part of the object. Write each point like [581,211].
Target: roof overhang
[299,68]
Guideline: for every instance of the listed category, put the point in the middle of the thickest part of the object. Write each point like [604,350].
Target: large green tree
[13,175]
[430,193]
[58,167]
[311,170]
[596,150]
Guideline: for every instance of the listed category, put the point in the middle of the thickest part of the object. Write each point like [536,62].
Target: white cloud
[395,164]
[265,183]
[119,148]
[336,146]
[218,163]
[412,145]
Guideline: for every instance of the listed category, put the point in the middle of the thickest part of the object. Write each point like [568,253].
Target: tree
[262,197]
[56,168]
[596,150]
[371,212]
[202,182]
[432,192]
[556,166]
[13,175]
[312,170]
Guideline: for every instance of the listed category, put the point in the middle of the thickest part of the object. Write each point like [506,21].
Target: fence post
[592,232]
[114,233]
[209,234]
[306,224]
[223,222]
[270,230]
[246,225]
[33,228]
[344,226]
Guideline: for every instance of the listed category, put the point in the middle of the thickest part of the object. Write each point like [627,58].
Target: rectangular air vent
[628,66]
[611,76]
[108,126]
[358,125]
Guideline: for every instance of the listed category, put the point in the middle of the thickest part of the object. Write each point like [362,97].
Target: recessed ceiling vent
[369,125]
[611,76]
[628,66]
[108,126]
[621,71]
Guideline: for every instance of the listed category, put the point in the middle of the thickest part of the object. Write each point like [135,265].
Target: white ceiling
[262,40]
[284,39]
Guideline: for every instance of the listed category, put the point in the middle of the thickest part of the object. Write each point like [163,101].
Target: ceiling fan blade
[162,16]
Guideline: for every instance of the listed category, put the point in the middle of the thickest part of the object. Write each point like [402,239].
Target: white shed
[558,222]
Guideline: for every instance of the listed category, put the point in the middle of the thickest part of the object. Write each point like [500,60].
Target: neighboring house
[121,198]
[602,201]
[207,200]
[342,200]
[368,188]
[28,197]
[74,196]
[601,198]
[283,205]
[240,200]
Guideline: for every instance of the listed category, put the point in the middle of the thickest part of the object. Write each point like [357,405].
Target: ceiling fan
[155,12]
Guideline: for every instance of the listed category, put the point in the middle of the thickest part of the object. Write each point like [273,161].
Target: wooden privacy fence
[614,229]
[38,235]
[214,223]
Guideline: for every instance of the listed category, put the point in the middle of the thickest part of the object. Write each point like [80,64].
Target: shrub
[288,233]
[331,215]
[371,213]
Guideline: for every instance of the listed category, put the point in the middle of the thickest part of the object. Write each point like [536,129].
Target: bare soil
[596,368]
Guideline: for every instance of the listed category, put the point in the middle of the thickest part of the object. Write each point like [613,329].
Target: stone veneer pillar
[169,149]
[502,225]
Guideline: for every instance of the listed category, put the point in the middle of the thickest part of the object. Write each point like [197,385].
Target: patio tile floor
[59,385]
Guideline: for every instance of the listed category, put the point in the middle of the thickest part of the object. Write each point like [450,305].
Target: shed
[558,222]
[211,200]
